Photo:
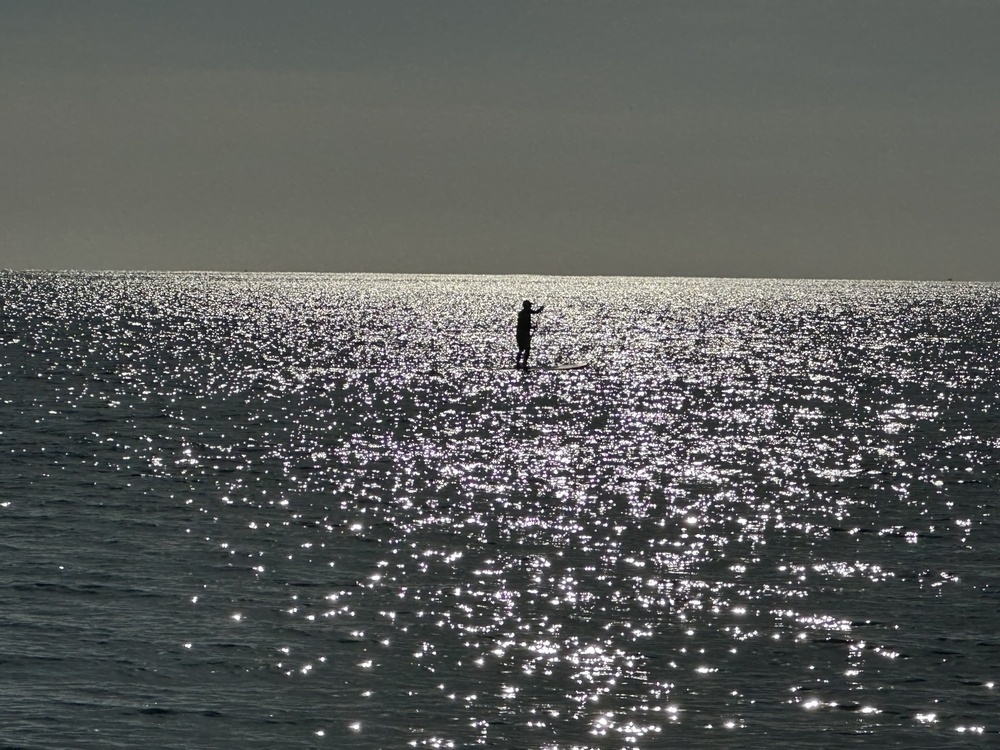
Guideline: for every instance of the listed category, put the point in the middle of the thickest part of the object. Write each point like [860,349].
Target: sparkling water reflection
[318,512]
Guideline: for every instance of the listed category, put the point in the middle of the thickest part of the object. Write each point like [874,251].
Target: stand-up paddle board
[549,368]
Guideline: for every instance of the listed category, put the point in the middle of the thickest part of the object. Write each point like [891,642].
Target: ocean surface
[262,511]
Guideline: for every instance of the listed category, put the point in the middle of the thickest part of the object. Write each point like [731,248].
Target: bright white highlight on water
[766,506]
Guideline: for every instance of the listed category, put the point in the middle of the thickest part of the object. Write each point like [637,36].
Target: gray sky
[794,139]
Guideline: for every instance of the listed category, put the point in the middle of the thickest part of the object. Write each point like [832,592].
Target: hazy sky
[795,139]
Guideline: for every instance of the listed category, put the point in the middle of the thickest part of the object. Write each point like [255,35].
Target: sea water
[256,511]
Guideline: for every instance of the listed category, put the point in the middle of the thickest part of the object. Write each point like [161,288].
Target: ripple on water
[311,510]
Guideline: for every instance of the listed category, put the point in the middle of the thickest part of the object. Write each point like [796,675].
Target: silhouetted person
[524,329]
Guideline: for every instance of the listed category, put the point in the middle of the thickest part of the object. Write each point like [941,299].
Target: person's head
[526,304]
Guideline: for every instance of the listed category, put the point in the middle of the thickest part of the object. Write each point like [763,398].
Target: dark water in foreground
[309,511]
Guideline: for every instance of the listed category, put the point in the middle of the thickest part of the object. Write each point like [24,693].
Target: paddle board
[549,368]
